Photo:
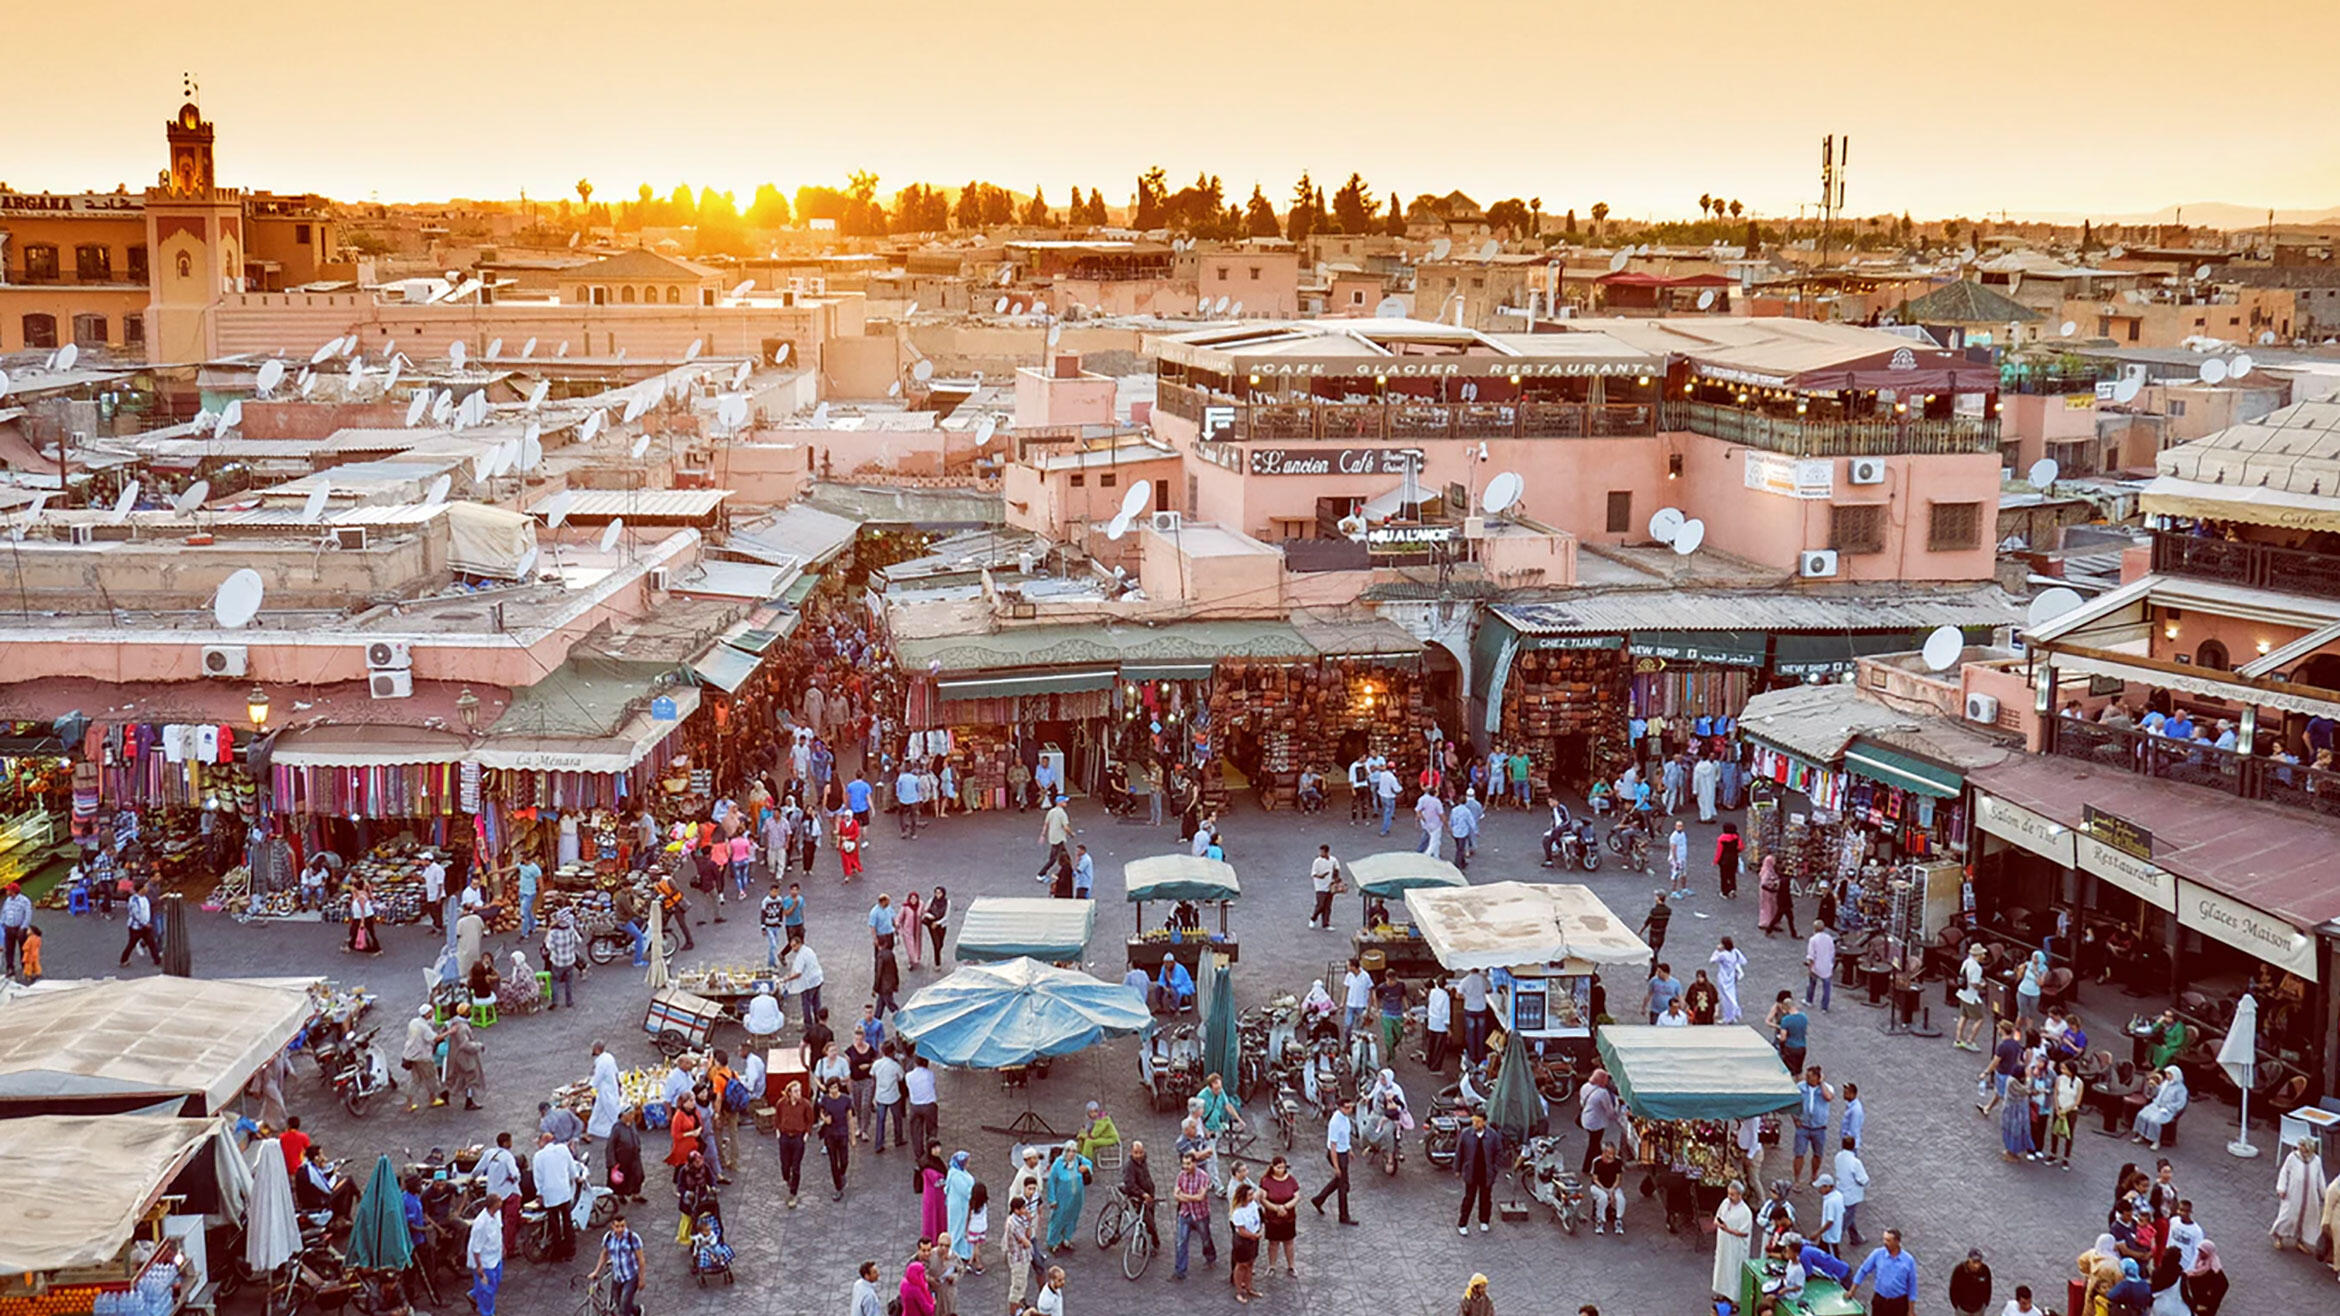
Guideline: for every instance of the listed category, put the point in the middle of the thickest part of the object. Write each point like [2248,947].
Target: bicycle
[600,1294]
[1132,1225]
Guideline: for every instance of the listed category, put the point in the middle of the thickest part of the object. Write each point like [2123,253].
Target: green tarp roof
[1714,1072]
[1004,927]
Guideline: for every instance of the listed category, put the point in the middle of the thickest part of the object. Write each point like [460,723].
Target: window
[2212,654]
[2177,407]
[673,295]
[93,263]
[1356,297]
[1857,528]
[1620,511]
[626,294]
[1222,274]
[584,295]
[186,265]
[89,330]
[40,330]
[1952,526]
[1255,274]
[138,263]
[133,331]
[301,234]
[1079,480]
[40,264]
[1108,479]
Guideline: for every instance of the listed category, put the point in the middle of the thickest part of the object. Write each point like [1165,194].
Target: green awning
[1895,769]
[1004,927]
[1723,1072]
[1031,683]
[753,641]
[1824,655]
[1725,648]
[804,585]
[1179,877]
[1199,671]
[725,668]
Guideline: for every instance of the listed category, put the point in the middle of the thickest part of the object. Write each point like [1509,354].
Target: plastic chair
[483,1013]
[544,986]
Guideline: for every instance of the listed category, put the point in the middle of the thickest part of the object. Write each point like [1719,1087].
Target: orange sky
[2084,107]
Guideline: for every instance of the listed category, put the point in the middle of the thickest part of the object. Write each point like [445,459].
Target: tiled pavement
[1937,1171]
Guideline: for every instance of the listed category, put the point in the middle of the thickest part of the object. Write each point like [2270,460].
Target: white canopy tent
[159,1039]
[74,1187]
[1512,924]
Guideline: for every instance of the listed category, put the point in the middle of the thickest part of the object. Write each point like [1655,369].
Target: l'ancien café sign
[1335,461]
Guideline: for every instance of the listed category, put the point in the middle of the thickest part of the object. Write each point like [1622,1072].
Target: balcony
[1408,419]
[1797,436]
[2240,562]
[2198,763]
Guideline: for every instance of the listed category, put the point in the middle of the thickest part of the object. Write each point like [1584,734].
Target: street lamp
[467,704]
[256,707]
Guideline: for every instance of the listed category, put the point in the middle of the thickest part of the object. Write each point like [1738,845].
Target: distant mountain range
[2214,214]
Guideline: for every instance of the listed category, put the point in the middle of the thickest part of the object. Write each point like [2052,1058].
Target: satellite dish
[315,506]
[1139,497]
[308,382]
[564,348]
[2116,253]
[392,381]
[2043,473]
[2213,370]
[556,510]
[232,414]
[741,289]
[3,383]
[780,356]
[1237,308]
[527,567]
[238,599]
[1220,306]
[531,451]
[443,405]
[1706,299]
[324,353]
[455,353]
[2266,339]
[123,504]
[191,497]
[923,371]
[1389,308]
[894,390]
[591,427]
[528,349]
[739,377]
[438,490]
[984,429]
[732,410]
[2069,328]
[1943,646]
[641,445]
[271,374]
[2050,605]
[481,462]
[205,421]
[820,414]
[697,346]
[495,348]
[1666,523]
[1118,526]
[1055,332]
[1440,248]
[1620,260]
[999,307]
[1502,492]
[2240,366]
[635,406]
[1490,249]
[1689,537]
[912,310]
[537,395]
[67,355]
[610,533]
[2127,389]
[2201,271]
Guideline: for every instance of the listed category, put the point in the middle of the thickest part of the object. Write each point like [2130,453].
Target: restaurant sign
[1789,477]
[2247,928]
[2034,832]
[1482,367]
[116,204]
[2149,882]
[1335,461]
[2117,832]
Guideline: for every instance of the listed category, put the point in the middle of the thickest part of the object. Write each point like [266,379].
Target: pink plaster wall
[1771,529]
[1044,399]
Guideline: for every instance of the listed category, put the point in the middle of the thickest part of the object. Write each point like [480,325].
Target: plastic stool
[483,1014]
[77,901]
[544,985]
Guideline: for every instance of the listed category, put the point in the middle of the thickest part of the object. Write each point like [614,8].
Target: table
[2309,1122]
[1822,1296]
[784,1065]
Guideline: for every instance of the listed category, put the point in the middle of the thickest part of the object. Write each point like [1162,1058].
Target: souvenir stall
[1186,882]
[561,775]
[107,1213]
[1541,945]
[1563,699]
[1364,692]
[344,788]
[36,799]
[180,789]
[1389,938]
[1697,1103]
[985,724]
[1161,714]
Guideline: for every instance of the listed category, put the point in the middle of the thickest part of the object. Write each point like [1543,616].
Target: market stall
[104,1214]
[1542,946]
[120,1045]
[36,798]
[1007,927]
[1187,882]
[1388,938]
[1692,1098]
[1008,1015]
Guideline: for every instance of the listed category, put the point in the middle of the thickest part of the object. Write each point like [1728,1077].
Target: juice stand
[1540,944]
[1187,881]
[1388,938]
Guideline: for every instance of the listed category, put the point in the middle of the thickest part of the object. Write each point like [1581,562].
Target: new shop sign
[1335,461]
[2034,832]
[2247,929]
[1789,477]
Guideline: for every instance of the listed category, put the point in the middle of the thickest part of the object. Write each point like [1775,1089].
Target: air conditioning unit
[225,660]
[1816,563]
[1982,708]
[389,655]
[1867,470]
[391,685]
[1166,522]
[349,536]
[1474,527]
[83,534]
[658,580]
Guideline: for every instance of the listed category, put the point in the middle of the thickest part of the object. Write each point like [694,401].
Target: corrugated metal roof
[1816,722]
[1051,646]
[797,535]
[737,580]
[1721,610]
[638,504]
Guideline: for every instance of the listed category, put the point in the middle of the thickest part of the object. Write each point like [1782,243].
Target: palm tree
[1735,209]
[584,192]
[1600,212]
[1705,203]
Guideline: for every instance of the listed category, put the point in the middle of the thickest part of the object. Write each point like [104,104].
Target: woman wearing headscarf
[1767,893]
[1734,1225]
[2132,1296]
[2167,1281]
[848,830]
[2169,1101]
[907,921]
[2332,1220]
[958,1186]
[1068,1187]
[933,1215]
[2028,988]
[625,1155]
[466,1070]
[935,917]
[1475,1301]
[1596,1114]
[2100,1269]
[2205,1285]
[2015,1116]
[917,1297]
[2299,1193]
[608,1096]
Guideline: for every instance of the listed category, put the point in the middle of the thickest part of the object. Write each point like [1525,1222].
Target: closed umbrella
[2238,1055]
[658,976]
[178,957]
[377,1232]
[1515,1107]
[272,1227]
[1222,1044]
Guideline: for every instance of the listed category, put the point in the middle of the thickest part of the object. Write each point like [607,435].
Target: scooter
[1573,845]
[1381,1136]
[358,1072]
[1545,1175]
[593,1207]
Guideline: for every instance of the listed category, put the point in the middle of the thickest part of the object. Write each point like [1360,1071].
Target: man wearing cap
[1830,1235]
[421,1059]
[1970,1285]
[1056,834]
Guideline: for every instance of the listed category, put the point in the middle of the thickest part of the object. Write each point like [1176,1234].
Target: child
[31,954]
[709,1252]
[978,1224]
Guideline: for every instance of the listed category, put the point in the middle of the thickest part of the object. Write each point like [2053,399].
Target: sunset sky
[2085,107]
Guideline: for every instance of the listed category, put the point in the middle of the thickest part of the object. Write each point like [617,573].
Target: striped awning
[1910,774]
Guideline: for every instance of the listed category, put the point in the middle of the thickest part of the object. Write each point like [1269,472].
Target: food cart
[1186,881]
[1006,927]
[1541,945]
[1395,943]
[680,1020]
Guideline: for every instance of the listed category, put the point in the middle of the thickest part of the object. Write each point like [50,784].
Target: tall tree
[970,208]
[1036,214]
[1097,214]
[1395,225]
[769,209]
[1705,203]
[1153,192]
[999,205]
[1568,225]
[1300,220]
[1600,212]
[1510,213]
[1736,208]
[585,193]
[1353,205]
[1259,215]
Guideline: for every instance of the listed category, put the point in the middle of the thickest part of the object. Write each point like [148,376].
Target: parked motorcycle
[357,1071]
[1544,1174]
[594,1207]
[1440,1136]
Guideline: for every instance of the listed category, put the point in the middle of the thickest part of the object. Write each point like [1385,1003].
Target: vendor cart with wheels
[1388,930]
[679,1020]
[1187,881]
